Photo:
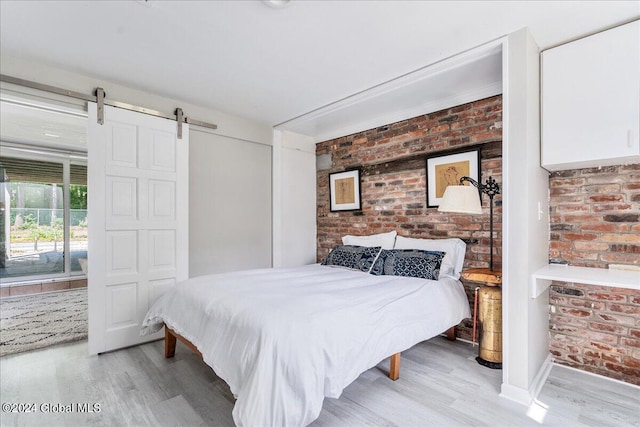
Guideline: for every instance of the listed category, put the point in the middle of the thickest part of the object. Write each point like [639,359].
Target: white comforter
[285,338]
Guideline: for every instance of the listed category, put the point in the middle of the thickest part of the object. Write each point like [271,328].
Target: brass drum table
[489,315]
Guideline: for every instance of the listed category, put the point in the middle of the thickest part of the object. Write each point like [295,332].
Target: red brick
[567,339]
[632,372]
[615,318]
[603,227]
[621,258]
[600,198]
[575,312]
[600,346]
[612,207]
[608,357]
[621,238]
[560,245]
[607,296]
[591,246]
[567,182]
[615,329]
[631,362]
[601,188]
[561,191]
[576,302]
[594,354]
[599,336]
[630,342]
[624,308]
[573,208]
[579,219]
[579,257]
[576,236]
[569,321]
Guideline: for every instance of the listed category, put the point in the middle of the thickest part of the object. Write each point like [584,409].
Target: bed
[283,339]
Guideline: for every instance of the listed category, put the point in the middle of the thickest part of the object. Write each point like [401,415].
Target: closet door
[138,221]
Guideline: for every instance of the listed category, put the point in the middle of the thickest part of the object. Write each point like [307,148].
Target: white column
[525,233]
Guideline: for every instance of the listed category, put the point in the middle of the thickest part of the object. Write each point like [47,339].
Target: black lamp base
[491,365]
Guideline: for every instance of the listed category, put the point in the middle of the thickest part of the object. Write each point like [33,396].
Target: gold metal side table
[489,315]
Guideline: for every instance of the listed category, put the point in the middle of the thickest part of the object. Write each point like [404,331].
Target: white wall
[525,230]
[294,227]
[229,204]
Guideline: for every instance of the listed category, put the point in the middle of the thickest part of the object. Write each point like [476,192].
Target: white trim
[541,377]
[196,128]
[276,200]
[399,115]
[506,219]
[527,396]
[618,382]
[542,277]
[33,280]
[182,199]
[66,215]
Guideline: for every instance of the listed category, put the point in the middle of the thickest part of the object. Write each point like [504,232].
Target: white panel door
[138,221]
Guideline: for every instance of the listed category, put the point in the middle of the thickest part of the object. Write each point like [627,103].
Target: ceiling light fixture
[277,4]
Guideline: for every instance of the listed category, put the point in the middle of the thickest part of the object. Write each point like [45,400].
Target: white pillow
[385,240]
[455,250]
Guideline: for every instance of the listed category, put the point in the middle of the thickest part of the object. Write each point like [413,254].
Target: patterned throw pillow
[408,262]
[355,257]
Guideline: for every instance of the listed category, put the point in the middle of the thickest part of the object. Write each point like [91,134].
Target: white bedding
[285,338]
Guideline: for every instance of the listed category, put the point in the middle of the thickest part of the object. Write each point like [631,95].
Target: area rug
[35,321]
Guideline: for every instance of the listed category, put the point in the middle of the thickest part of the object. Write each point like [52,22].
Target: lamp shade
[461,199]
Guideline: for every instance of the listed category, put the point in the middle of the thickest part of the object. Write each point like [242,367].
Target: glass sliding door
[43,186]
[43,216]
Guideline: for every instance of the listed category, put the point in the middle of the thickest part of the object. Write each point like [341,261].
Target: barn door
[138,221]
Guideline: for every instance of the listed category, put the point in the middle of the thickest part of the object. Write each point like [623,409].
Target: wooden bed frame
[171,337]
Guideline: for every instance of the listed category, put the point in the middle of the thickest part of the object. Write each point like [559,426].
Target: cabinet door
[591,100]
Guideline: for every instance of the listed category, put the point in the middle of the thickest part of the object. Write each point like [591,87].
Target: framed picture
[344,191]
[447,169]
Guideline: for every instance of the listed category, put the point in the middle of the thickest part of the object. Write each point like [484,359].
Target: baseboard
[527,396]
[593,374]
[541,377]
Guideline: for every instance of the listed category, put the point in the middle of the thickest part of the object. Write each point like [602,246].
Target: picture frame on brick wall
[344,191]
[447,169]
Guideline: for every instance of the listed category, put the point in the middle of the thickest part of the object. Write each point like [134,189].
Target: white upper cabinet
[591,101]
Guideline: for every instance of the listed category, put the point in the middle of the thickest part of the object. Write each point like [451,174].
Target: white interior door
[138,221]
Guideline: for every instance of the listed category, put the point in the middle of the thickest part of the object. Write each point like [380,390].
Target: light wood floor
[440,385]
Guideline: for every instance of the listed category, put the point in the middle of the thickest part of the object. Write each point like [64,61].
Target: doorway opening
[43,222]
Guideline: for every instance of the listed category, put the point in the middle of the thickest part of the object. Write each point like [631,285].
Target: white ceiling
[274,64]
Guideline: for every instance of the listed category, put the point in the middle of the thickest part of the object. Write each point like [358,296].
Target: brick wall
[393,185]
[595,222]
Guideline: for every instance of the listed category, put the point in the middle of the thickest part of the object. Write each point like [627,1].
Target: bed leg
[169,343]
[451,333]
[394,367]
